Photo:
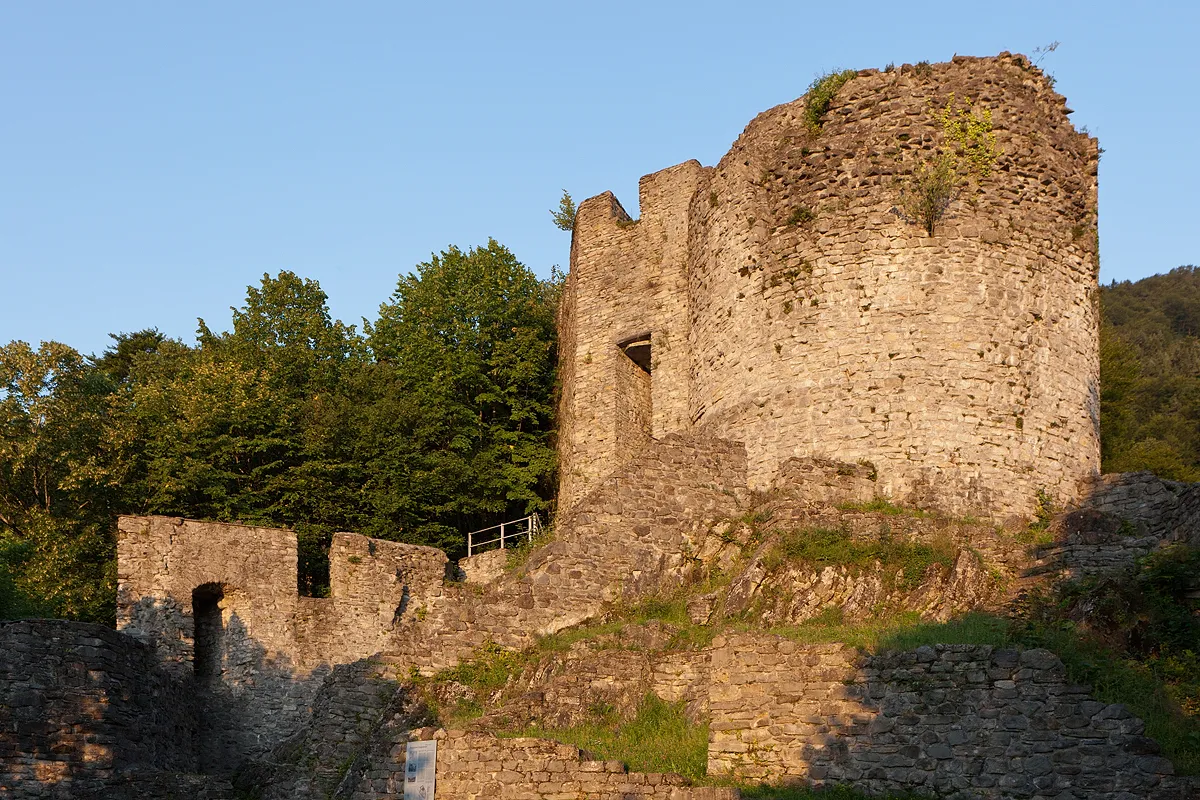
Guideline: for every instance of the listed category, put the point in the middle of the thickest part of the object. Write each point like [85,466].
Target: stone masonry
[767,337]
[86,712]
[955,720]
[775,300]
[219,602]
[474,766]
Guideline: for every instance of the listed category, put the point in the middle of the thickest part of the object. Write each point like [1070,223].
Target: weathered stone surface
[957,720]
[962,366]
[723,359]
[220,601]
[85,712]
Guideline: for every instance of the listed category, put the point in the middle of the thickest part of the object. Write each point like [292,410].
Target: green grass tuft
[822,547]
[488,671]
[884,506]
[658,739]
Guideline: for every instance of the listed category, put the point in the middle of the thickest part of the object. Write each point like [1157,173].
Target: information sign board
[420,769]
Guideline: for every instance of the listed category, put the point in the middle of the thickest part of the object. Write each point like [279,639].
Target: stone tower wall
[627,279]
[963,365]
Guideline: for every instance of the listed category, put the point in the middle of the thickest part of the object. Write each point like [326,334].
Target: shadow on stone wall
[940,719]
[248,699]
[81,703]
[1121,518]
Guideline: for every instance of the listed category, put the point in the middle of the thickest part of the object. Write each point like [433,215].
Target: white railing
[526,527]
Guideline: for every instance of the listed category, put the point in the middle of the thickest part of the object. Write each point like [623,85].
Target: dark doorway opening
[209,631]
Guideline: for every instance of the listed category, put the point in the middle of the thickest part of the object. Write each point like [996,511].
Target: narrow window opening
[209,631]
[634,400]
[312,560]
[638,351]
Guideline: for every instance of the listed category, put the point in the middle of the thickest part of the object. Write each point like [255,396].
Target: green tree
[459,420]
[254,424]
[564,217]
[1150,375]
[58,484]
[289,419]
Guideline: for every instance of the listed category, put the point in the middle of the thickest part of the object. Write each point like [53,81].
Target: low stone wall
[1156,507]
[80,704]
[948,719]
[358,712]
[818,482]
[476,765]
[613,673]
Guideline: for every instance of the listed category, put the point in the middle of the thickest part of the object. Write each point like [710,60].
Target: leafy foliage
[968,152]
[927,195]
[564,216]
[59,483]
[819,97]
[462,407]
[971,135]
[438,419]
[1150,375]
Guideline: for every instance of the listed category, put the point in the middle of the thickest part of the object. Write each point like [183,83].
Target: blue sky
[156,158]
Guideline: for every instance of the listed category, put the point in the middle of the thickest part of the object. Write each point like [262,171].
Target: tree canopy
[435,420]
[1150,375]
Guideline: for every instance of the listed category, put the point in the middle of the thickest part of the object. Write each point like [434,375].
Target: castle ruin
[776,300]
[768,341]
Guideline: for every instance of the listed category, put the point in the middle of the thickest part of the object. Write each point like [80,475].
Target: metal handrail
[533,526]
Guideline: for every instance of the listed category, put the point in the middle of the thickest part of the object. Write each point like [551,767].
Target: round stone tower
[824,320]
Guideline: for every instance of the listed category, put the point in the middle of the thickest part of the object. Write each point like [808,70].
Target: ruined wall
[947,720]
[269,650]
[79,704]
[632,535]
[962,365]
[161,561]
[628,278]
[992,723]
[257,650]
[374,584]
[1152,506]
[481,766]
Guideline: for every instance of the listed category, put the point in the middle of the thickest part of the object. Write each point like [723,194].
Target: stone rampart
[81,705]
[632,535]
[965,719]
[219,602]
[820,324]
[1152,506]
[472,765]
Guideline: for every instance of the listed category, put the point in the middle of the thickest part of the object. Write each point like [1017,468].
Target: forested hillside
[1150,375]
[434,420]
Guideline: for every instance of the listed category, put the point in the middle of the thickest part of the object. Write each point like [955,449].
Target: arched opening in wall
[209,630]
[634,406]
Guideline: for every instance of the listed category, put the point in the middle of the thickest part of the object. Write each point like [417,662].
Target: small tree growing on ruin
[927,195]
[968,152]
[564,217]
